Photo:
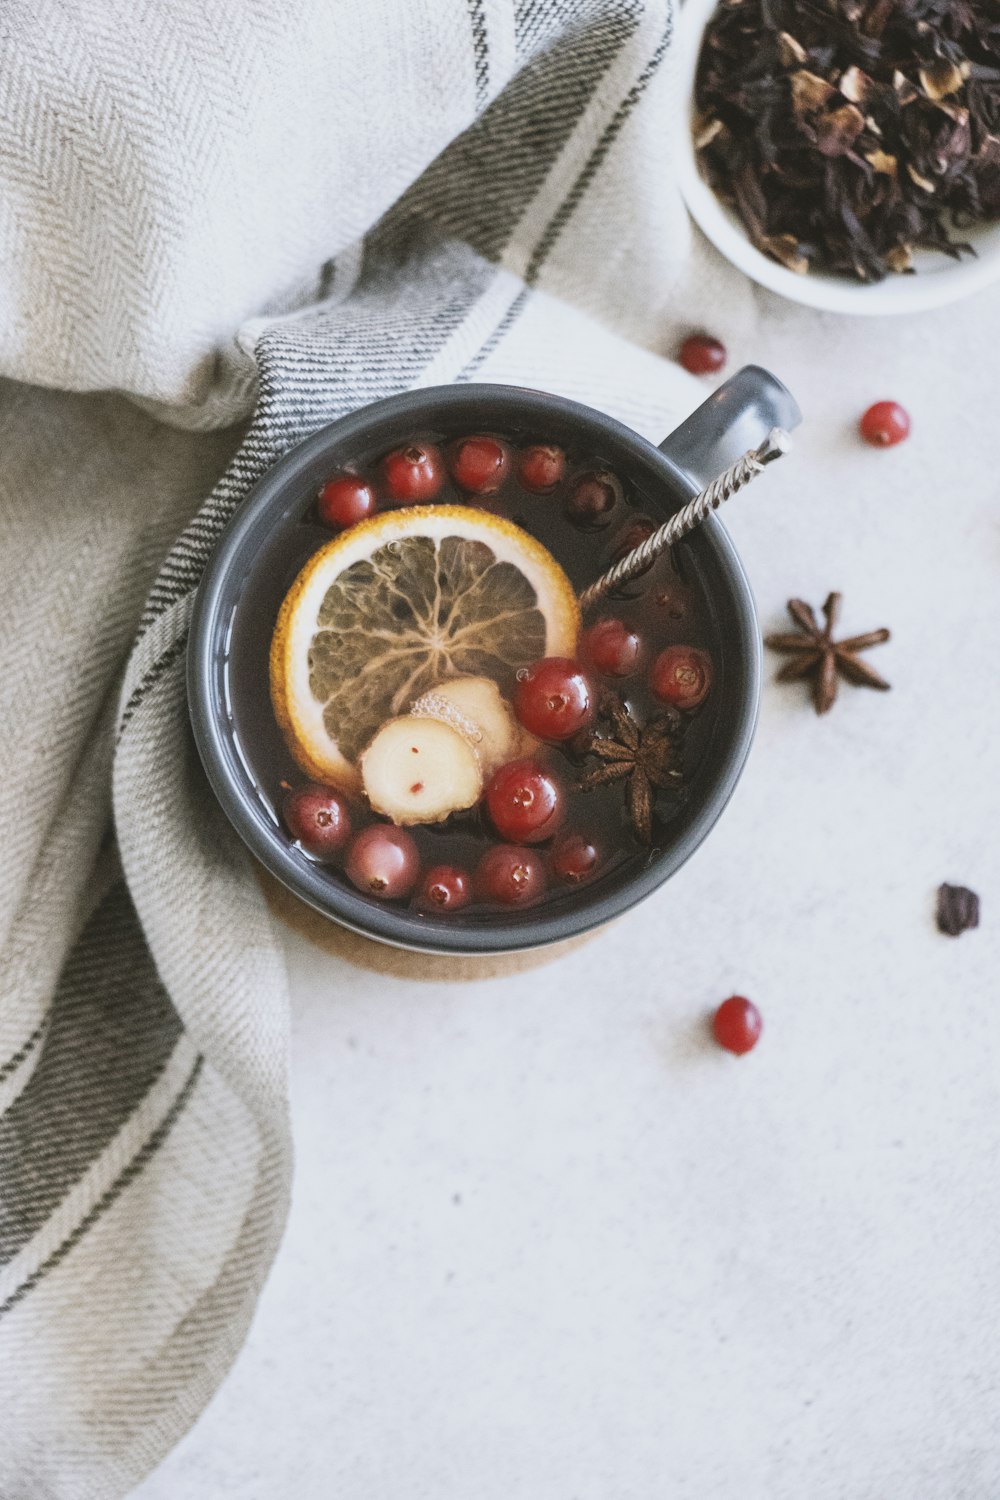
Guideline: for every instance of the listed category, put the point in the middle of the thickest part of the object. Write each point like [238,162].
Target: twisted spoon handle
[733,479]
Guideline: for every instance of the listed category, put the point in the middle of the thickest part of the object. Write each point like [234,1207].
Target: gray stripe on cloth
[111,1031]
[145,1153]
[481,50]
[479,188]
[318,366]
[611,133]
[24,1051]
[563,213]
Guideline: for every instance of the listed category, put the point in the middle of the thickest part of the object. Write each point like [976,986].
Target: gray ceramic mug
[252,567]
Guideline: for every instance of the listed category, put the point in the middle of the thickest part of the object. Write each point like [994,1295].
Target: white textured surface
[546,1241]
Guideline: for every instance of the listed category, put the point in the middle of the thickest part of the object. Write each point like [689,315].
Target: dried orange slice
[387,610]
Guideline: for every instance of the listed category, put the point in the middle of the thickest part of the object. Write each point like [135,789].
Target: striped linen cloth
[249,218]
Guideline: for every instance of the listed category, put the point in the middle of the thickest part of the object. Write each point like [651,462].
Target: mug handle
[737,416]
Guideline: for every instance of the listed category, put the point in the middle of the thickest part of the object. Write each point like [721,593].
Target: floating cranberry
[443,888]
[383,862]
[573,858]
[631,536]
[413,473]
[524,803]
[540,468]
[702,355]
[682,676]
[479,464]
[318,819]
[885,424]
[593,498]
[552,698]
[737,1024]
[510,875]
[344,501]
[611,647]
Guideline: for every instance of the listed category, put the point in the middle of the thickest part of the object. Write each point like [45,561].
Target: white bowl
[937,280]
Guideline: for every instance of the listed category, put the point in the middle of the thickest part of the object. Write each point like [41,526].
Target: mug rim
[214,607]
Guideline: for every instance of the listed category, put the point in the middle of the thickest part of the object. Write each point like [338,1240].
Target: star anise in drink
[815,653]
[647,759]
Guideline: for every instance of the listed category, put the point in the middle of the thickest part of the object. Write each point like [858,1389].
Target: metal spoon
[733,479]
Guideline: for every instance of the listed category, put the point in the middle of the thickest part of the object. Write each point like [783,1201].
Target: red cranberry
[510,875]
[443,888]
[318,819]
[737,1024]
[593,498]
[631,536]
[414,473]
[479,464]
[345,500]
[541,467]
[681,675]
[552,698]
[383,861]
[885,424]
[702,355]
[573,858]
[611,647]
[524,803]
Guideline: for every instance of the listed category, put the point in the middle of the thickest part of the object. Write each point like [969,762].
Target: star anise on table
[814,651]
[648,758]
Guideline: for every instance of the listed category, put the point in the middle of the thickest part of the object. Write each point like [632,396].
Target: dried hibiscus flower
[849,133]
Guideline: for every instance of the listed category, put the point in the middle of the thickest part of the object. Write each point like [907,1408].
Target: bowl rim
[267,504]
[947,282]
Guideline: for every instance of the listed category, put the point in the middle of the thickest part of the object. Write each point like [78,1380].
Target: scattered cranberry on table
[553,699]
[523,802]
[681,676]
[593,498]
[737,1025]
[344,501]
[573,858]
[885,424]
[479,464]
[413,473]
[317,818]
[443,888]
[510,875]
[702,355]
[611,647]
[383,861]
[541,468]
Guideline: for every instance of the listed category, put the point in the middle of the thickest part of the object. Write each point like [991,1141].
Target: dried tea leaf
[848,134]
[786,249]
[906,91]
[883,163]
[791,52]
[940,78]
[837,131]
[706,132]
[927,183]
[809,92]
[855,85]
